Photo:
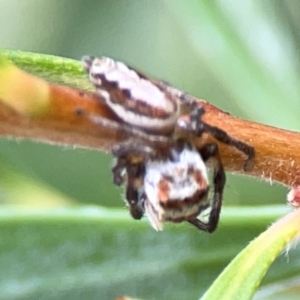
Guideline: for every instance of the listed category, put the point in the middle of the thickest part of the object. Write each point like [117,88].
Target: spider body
[134,98]
[169,182]
[175,189]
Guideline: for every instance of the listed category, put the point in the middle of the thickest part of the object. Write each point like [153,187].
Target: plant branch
[32,108]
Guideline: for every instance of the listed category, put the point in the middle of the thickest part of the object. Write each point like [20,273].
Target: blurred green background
[242,56]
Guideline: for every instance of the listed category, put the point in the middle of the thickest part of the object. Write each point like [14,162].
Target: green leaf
[88,252]
[92,252]
[52,68]
[241,278]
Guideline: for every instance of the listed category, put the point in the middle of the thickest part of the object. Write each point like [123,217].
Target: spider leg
[132,148]
[118,171]
[211,151]
[128,154]
[200,127]
[130,169]
[135,175]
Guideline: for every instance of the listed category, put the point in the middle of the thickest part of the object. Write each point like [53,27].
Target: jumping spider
[168,182]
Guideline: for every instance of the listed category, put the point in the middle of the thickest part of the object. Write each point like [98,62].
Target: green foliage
[242,57]
[77,253]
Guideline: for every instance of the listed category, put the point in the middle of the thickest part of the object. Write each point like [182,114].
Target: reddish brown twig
[64,119]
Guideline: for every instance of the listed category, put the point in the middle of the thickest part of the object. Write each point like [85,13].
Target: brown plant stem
[65,120]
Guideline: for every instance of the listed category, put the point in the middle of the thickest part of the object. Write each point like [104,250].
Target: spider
[177,189]
[152,182]
[164,175]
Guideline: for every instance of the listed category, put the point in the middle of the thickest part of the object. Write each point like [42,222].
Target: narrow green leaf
[242,277]
[52,68]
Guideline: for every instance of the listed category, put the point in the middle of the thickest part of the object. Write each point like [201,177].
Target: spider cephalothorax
[169,181]
[175,189]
